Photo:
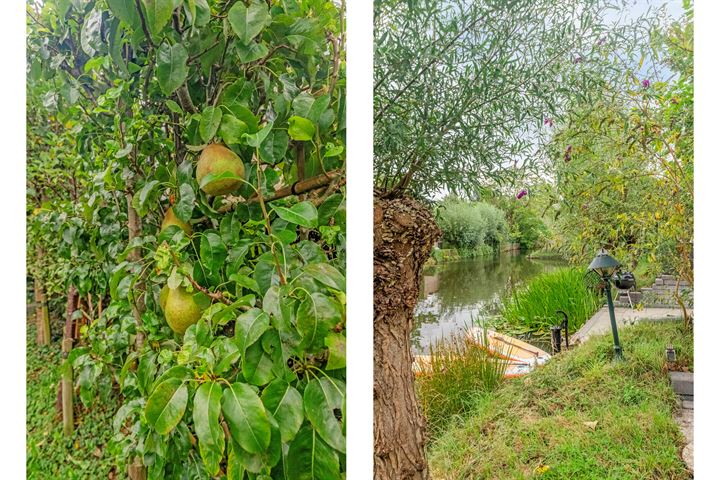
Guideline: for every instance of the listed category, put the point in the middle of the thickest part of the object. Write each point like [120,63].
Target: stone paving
[600,322]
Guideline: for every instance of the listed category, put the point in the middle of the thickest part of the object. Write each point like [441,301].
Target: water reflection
[455,293]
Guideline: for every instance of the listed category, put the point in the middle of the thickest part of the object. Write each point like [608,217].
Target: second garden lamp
[605,266]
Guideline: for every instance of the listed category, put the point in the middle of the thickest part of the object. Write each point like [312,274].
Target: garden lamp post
[605,266]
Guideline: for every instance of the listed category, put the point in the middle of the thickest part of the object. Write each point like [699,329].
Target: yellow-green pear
[172,219]
[218,159]
[180,309]
[163,296]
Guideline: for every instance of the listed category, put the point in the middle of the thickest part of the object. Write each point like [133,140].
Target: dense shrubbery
[470,226]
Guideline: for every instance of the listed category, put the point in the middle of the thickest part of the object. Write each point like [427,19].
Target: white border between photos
[360,240]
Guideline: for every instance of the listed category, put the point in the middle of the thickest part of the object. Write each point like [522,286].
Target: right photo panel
[533,239]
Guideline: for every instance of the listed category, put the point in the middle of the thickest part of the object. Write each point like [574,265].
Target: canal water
[456,294]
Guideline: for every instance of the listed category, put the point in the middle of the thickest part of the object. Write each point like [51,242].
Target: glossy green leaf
[206,420]
[304,214]
[248,22]
[249,327]
[125,10]
[232,129]
[310,458]
[158,13]
[285,403]
[300,128]
[326,274]
[209,122]
[246,418]
[317,315]
[322,398]
[212,251]
[336,350]
[273,148]
[171,67]
[166,405]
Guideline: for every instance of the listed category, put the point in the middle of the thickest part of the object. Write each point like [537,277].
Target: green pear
[180,309]
[172,219]
[163,296]
[218,159]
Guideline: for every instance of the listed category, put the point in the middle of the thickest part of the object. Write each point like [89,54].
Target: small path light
[605,266]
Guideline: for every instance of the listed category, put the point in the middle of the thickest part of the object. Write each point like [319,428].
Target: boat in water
[521,357]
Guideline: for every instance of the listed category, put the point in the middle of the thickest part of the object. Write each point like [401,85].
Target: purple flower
[548,121]
[521,194]
[568,150]
[578,59]
[646,83]
[601,41]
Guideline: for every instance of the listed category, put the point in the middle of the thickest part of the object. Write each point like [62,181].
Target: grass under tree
[543,425]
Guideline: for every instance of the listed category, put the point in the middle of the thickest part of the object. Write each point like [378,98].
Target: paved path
[600,322]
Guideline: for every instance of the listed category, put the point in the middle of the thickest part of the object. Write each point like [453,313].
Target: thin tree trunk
[67,374]
[405,232]
[138,304]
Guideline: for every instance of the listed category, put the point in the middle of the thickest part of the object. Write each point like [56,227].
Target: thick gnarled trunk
[405,232]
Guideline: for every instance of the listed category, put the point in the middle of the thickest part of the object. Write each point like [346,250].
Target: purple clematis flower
[521,194]
[646,83]
[548,121]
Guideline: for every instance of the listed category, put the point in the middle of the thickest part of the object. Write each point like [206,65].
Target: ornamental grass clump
[533,308]
[456,372]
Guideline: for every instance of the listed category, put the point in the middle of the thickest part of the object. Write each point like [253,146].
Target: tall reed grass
[450,379]
[534,307]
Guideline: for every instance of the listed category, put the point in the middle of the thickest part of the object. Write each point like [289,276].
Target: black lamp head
[603,264]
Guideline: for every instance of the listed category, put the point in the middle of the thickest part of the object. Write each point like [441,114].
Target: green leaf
[285,403]
[174,107]
[235,468]
[212,251]
[209,122]
[248,22]
[321,398]
[144,197]
[206,419]
[336,349]
[300,128]
[317,315]
[246,417]
[186,203]
[256,139]
[251,52]
[328,208]
[158,14]
[326,274]
[309,458]
[249,327]
[125,10]
[115,44]
[166,406]
[232,129]
[304,214]
[171,67]
[273,148]
[90,39]
[257,366]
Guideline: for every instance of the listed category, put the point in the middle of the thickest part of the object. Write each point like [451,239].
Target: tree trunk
[138,303]
[405,232]
[67,374]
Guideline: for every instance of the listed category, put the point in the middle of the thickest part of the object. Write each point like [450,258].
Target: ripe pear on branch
[172,219]
[216,159]
[179,307]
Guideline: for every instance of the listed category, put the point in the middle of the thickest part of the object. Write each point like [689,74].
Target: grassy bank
[535,426]
[49,453]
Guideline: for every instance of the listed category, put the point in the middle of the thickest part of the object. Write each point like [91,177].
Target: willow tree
[464,94]
[137,90]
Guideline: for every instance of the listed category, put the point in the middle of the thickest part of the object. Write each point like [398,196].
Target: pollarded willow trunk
[405,232]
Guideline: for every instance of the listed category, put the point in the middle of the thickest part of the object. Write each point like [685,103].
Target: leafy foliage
[624,166]
[122,95]
[470,225]
[462,89]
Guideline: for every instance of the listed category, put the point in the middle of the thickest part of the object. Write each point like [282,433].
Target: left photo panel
[185,215]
